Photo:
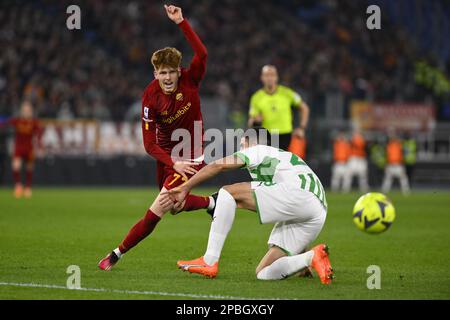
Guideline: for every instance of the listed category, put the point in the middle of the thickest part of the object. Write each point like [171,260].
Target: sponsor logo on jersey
[179,97]
[146,112]
[178,114]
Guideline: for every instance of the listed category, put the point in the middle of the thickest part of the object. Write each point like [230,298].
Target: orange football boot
[321,263]
[18,191]
[27,193]
[199,266]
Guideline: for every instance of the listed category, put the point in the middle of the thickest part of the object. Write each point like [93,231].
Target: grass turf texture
[42,236]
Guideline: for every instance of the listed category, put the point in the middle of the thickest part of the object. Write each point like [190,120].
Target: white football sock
[212,203]
[286,266]
[221,225]
[117,252]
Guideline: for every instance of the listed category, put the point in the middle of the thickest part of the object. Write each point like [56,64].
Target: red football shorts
[169,178]
[25,154]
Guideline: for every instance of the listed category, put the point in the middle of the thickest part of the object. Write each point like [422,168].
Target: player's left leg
[16,166]
[29,168]
[276,265]
[142,229]
[287,255]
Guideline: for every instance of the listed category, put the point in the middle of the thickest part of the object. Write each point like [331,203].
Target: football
[373,213]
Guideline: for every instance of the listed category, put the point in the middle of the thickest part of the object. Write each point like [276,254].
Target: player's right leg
[29,168]
[137,233]
[16,166]
[229,198]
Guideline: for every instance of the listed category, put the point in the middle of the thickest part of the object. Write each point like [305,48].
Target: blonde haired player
[170,102]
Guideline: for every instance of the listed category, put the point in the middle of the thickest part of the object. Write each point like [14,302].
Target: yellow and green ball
[373,213]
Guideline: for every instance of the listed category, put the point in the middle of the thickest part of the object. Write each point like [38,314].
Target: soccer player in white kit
[284,191]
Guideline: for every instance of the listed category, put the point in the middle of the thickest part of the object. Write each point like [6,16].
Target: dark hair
[261,135]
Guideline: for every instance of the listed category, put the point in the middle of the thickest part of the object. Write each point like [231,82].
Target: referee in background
[271,108]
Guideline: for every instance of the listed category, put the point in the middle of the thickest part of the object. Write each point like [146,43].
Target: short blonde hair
[167,57]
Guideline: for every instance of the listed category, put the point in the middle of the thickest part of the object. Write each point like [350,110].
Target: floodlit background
[86,84]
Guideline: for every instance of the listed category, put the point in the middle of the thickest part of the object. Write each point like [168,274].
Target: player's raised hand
[174,13]
[184,168]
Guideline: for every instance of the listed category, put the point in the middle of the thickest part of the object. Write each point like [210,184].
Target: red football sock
[28,178]
[16,176]
[139,231]
[195,202]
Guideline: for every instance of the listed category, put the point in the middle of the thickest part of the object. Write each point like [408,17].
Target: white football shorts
[298,215]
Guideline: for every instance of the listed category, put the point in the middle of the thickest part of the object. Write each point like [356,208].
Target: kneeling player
[285,191]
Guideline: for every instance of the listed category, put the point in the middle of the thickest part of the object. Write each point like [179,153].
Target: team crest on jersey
[146,112]
[179,97]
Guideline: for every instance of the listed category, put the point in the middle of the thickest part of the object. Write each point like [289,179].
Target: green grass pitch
[42,236]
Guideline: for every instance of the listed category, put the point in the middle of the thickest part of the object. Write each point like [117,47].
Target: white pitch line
[149,293]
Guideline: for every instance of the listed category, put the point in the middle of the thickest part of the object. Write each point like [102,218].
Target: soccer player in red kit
[26,128]
[170,102]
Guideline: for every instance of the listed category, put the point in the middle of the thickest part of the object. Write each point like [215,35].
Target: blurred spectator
[317,45]
[395,167]
[357,163]
[409,155]
[341,154]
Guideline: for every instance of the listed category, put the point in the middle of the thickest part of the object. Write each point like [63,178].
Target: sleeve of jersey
[296,98]
[198,65]
[249,156]
[150,145]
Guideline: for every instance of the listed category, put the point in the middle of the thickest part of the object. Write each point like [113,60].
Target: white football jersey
[271,165]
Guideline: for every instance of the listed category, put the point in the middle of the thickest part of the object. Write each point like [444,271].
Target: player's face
[26,111]
[269,77]
[168,78]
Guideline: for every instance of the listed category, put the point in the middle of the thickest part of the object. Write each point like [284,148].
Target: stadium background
[87,83]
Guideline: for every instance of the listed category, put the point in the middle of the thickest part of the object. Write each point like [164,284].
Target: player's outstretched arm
[198,65]
[174,13]
[178,194]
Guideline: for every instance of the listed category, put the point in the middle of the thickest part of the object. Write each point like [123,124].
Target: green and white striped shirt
[270,165]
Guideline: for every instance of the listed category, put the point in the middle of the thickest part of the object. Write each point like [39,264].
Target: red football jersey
[25,130]
[163,113]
